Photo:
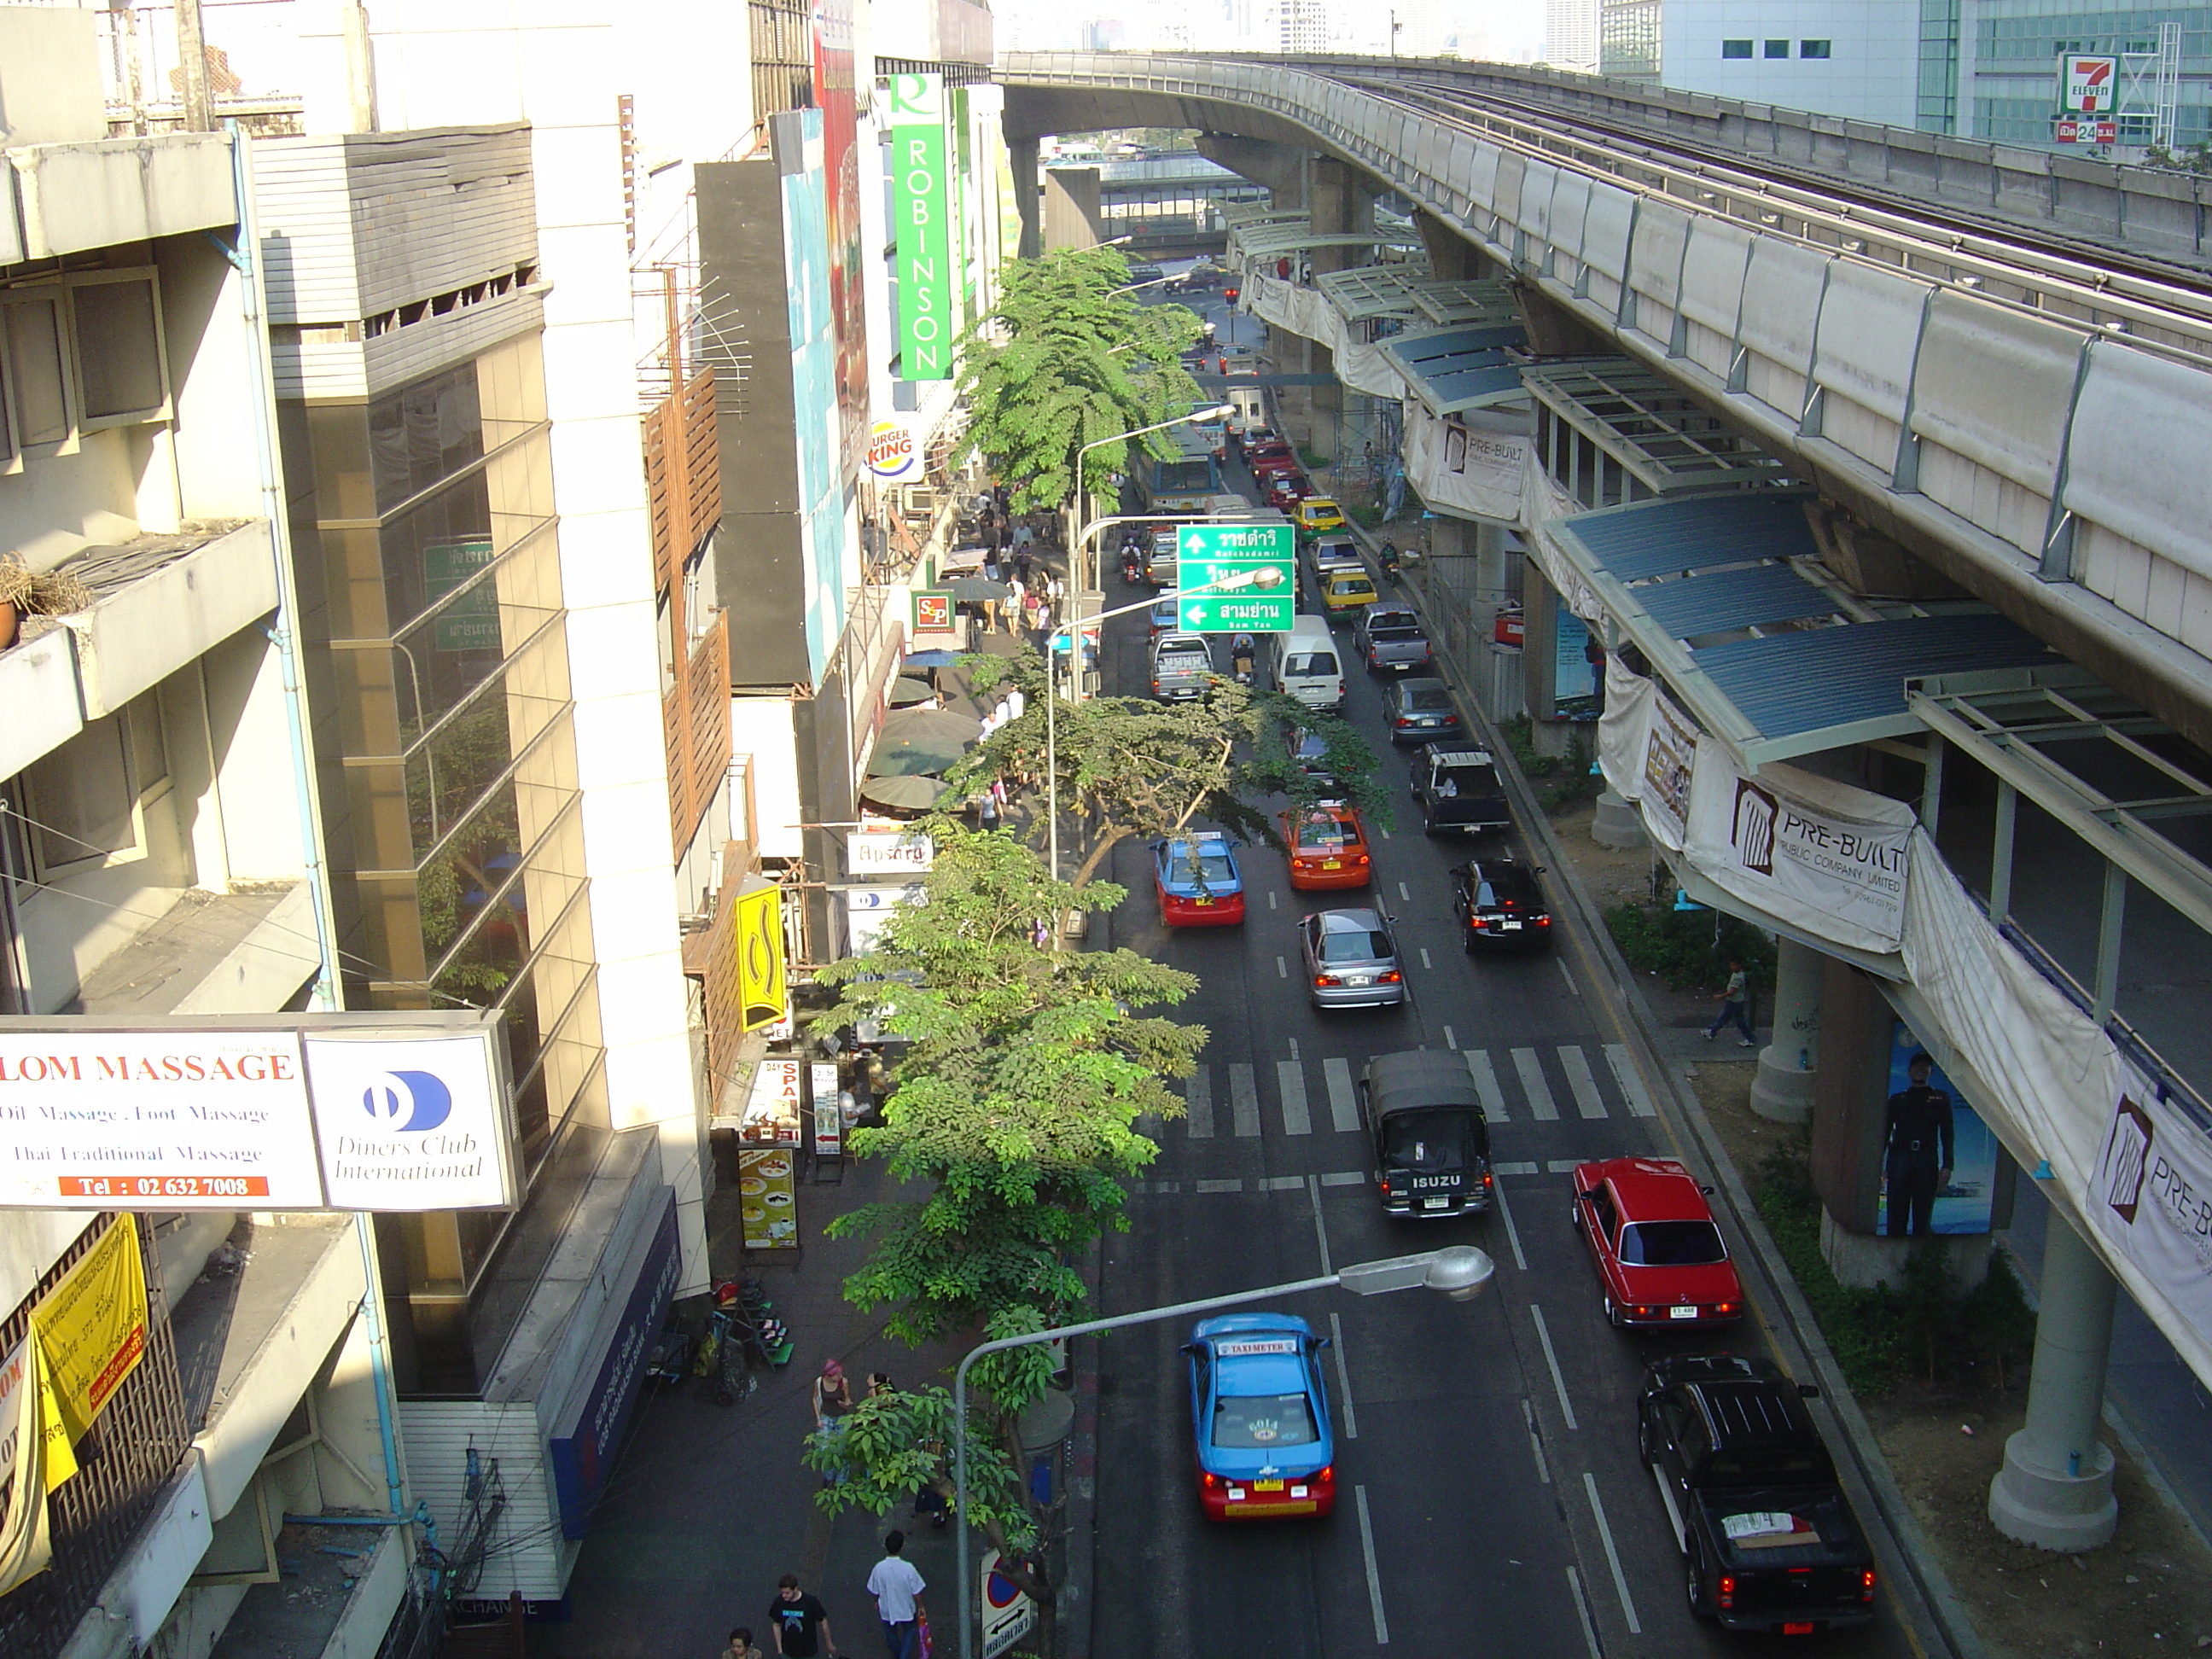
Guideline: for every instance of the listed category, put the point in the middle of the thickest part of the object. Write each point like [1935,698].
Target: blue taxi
[1200,884]
[1259,1417]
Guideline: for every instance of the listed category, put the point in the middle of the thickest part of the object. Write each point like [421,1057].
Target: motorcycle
[1133,567]
[1389,562]
[1241,654]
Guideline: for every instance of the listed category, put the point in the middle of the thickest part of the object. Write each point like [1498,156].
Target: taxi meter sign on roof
[1235,578]
[1247,1348]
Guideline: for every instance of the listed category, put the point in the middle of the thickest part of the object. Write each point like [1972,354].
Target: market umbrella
[913,757]
[929,660]
[906,693]
[903,794]
[977,590]
[932,727]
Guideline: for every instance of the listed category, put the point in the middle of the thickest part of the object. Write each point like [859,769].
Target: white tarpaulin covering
[2152,1195]
[1482,473]
[1307,312]
[1622,728]
[1824,858]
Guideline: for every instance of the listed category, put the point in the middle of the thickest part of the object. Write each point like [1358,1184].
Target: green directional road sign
[1235,578]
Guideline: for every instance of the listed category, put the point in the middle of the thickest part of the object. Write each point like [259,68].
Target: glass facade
[437,662]
[2016,45]
[1629,39]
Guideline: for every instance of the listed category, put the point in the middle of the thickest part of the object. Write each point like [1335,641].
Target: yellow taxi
[1316,513]
[1344,592]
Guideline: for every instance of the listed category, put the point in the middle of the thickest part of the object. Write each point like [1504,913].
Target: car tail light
[1326,1475]
[1866,1585]
[1543,921]
[1405,719]
[1727,1596]
[1391,978]
[1488,1179]
[1361,860]
[1724,1306]
[1327,979]
[1212,1481]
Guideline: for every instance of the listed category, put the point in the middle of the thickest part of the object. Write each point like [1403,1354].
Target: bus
[1186,482]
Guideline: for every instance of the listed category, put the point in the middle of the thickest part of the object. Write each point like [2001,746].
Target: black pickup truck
[1768,1541]
[1431,1145]
[1457,787]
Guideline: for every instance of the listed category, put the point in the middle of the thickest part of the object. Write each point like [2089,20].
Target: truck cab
[1430,1141]
[1457,788]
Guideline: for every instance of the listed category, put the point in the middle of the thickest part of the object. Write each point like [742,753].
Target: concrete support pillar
[1451,256]
[1343,202]
[1021,162]
[1787,1065]
[1071,208]
[1616,824]
[2055,1490]
[1281,168]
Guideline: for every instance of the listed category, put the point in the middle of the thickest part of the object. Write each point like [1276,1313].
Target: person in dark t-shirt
[798,1623]
[1917,1151]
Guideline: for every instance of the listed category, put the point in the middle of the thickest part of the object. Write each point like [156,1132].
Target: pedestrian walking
[833,1404]
[1736,1006]
[898,1588]
[1917,1151]
[799,1624]
[741,1645]
[1021,560]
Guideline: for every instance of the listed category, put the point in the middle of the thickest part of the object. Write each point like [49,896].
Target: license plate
[1802,1628]
[1356,978]
[1267,1486]
[1436,1203]
[1202,904]
[1681,1313]
[1510,927]
[1332,864]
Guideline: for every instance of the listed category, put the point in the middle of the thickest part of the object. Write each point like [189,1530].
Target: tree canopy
[1063,361]
[1135,768]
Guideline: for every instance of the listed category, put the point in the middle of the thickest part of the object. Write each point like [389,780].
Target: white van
[1305,664]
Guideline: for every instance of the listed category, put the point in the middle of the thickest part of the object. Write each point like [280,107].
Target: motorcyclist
[1390,562]
[1242,651]
[1133,561]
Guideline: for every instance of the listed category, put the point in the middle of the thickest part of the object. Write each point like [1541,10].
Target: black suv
[1499,902]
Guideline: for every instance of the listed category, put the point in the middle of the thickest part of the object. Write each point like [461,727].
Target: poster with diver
[1965,1203]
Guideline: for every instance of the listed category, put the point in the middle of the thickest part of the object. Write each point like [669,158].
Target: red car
[1659,1255]
[1328,849]
[1286,490]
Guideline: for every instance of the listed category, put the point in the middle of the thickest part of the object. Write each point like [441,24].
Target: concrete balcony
[108,193]
[160,602]
[210,953]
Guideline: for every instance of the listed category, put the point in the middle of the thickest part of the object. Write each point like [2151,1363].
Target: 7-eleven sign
[2091,83]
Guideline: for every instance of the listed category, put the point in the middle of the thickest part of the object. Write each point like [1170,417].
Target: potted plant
[27,593]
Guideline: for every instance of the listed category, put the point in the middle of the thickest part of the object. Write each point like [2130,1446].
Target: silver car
[1351,959]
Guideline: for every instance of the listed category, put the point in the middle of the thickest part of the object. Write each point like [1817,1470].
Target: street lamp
[1262,579]
[1457,1271]
[1217,412]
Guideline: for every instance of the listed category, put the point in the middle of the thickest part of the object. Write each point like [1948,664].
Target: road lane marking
[1569,974]
[1343,1378]
[1630,1081]
[1512,1232]
[1271,900]
[1282,969]
[1343,1104]
[1425,963]
[1294,1047]
[1385,834]
[1344,1178]
[1243,1103]
[1374,1579]
[1576,1065]
[1541,1107]
[1583,1607]
[1512,1169]
[1612,1555]
[1563,1166]
[1486,1085]
[1551,1358]
[1281,1184]
[1198,1104]
[1404,894]
[1535,1445]
[1450,1042]
[1219,1187]
[1290,1079]
[1321,1227]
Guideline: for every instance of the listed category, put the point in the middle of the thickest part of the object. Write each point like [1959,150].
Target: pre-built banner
[1822,856]
[2152,1199]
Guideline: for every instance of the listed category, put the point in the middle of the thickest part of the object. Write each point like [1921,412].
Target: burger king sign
[892,455]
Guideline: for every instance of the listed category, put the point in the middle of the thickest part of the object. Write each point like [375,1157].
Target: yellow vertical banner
[24,1549]
[761,989]
[91,1327]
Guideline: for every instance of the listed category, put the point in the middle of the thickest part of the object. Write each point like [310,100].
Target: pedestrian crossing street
[1528,1085]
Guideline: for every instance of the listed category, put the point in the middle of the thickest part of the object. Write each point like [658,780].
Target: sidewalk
[709,1506]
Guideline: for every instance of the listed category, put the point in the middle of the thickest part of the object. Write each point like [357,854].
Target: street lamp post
[1217,412]
[1260,579]
[1457,1271]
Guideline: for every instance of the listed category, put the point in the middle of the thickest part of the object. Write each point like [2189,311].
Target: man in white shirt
[898,1588]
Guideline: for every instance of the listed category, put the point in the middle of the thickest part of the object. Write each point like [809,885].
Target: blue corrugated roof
[1727,599]
[1460,368]
[1786,684]
[1656,538]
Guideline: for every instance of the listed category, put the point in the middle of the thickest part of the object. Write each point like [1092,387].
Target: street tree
[1014,1108]
[1132,767]
[1063,361]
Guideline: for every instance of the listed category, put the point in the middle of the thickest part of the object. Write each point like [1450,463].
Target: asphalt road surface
[1489,1496]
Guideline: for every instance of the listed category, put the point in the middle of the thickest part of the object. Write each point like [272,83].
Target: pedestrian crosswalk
[1541,1077]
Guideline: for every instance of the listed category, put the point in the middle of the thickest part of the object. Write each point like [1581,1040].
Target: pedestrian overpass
[1994,362]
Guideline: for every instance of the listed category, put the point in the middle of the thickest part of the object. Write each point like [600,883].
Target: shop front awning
[1452,369]
[1723,597]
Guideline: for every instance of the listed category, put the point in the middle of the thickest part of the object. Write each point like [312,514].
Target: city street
[1487,1473]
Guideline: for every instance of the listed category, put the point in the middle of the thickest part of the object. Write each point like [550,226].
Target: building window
[84,801]
[1812,48]
[38,378]
[1735,48]
[1778,48]
[119,349]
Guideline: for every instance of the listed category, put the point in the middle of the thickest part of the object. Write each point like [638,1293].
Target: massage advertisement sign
[387,1111]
